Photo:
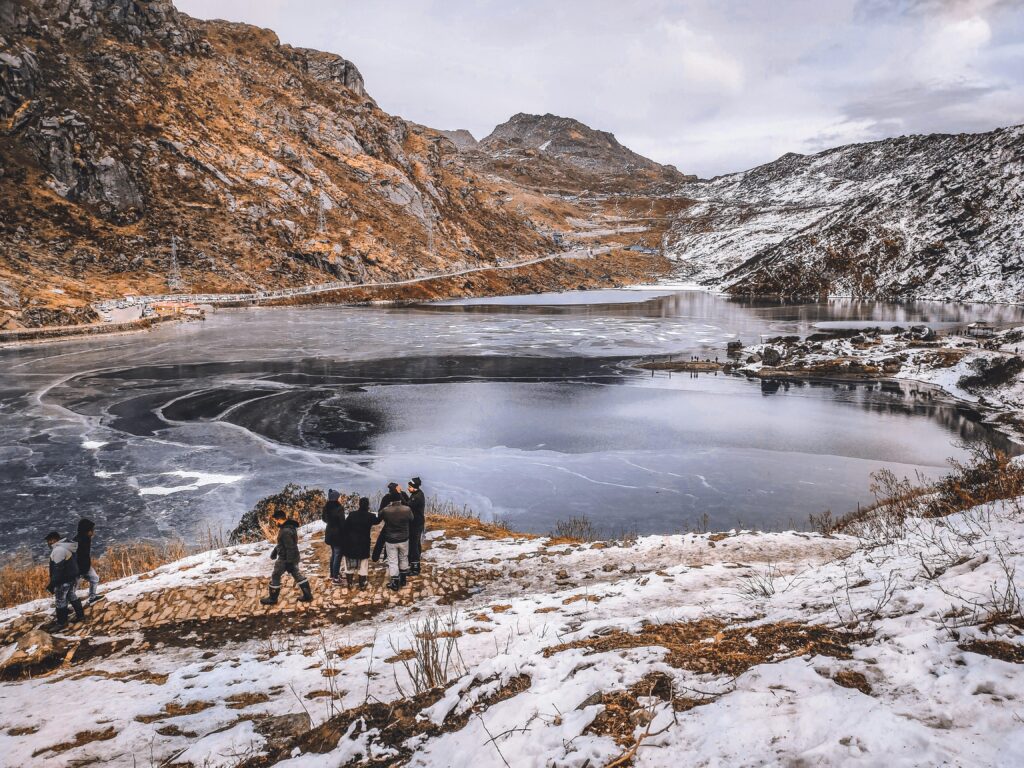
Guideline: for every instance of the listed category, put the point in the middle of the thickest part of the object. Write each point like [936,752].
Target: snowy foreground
[902,647]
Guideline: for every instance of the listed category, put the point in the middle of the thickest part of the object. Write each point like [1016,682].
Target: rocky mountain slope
[938,216]
[124,123]
[558,153]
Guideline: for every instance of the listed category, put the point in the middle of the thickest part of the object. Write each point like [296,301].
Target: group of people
[348,533]
[71,561]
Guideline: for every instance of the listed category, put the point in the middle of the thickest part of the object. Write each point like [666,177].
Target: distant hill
[936,216]
[551,152]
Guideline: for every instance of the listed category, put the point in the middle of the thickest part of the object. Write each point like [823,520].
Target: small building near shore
[175,308]
[981,330]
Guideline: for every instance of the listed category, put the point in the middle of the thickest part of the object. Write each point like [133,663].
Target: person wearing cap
[86,530]
[286,557]
[418,504]
[63,578]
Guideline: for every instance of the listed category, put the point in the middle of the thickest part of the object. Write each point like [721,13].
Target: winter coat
[288,542]
[355,535]
[418,504]
[334,516]
[396,517]
[84,541]
[63,564]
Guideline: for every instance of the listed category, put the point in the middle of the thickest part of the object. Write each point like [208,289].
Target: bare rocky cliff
[560,153]
[125,123]
[939,216]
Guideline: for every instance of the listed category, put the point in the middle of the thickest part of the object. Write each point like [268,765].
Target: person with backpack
[334,516]
[63,579]
[355,542]
[86,530]
[286,557]
[397,518]
[418,504]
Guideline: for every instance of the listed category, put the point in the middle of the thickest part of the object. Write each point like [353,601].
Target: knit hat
[85,525]
[392,487]
[333,495]
[52,536]
[416,483]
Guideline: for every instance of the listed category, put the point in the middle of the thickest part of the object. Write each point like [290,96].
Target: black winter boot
[414,569]
[395,583]
[62,618]
[271,599]
[348,580]
[403,577]
[79,610]
[362,582]
[307,596]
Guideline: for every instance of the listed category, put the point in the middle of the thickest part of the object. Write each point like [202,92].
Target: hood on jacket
[62,550]
[292,523]
[333,495]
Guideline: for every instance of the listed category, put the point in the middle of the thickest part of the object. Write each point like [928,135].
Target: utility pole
[174,281]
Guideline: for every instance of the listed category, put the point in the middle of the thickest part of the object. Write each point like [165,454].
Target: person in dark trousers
[395,493]
[397,517]
[286,555]
[355,542]
[86,530]
[418,504]
[63,578]
[334,516]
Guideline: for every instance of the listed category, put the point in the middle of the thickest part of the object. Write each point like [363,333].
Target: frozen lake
[524,408]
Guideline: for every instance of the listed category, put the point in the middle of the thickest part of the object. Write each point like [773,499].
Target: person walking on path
[63,578]
[395,493]
[397,517]
[418,504]
[86,530]
[286,555]
[355,542]
[334,516]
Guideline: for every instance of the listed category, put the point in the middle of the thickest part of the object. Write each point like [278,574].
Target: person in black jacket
[355,542]
[418,504]
[286,555]
[334,516]
[63,578]
[86,530]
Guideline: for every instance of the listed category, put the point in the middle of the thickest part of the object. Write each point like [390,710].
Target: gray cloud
[709,85]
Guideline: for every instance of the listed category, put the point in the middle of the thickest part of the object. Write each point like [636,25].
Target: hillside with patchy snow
[939,216]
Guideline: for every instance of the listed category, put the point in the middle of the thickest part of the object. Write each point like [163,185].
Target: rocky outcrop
[461,138]
[328,68]
[917,216]
[548,151]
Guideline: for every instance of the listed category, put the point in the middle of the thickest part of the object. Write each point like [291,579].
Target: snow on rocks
[732,648]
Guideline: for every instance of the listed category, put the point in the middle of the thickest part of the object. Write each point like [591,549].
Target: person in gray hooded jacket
[63,578]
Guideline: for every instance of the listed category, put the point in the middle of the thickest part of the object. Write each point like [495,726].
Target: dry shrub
[301,504]
[576,528]
[988,475]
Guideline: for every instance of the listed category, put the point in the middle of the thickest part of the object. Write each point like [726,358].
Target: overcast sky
[711,86]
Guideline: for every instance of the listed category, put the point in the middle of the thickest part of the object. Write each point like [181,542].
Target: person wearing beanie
[63,578]
[286,557]
[418,504]
[355,542]
[334,516]
[86,530]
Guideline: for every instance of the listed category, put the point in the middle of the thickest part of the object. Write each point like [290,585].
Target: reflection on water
[525,410]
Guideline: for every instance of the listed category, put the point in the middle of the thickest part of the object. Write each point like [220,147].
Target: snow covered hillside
[900,648]
[936,216]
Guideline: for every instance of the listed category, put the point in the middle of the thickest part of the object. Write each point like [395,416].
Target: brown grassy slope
[232,143]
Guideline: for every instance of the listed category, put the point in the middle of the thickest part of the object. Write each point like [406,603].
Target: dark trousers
[415,540]
[336,558]
[281,568]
